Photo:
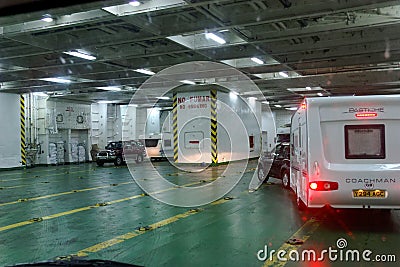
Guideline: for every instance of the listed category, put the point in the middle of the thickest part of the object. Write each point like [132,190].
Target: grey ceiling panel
[338,47]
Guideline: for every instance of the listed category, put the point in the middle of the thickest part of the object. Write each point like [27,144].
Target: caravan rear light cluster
[323,186]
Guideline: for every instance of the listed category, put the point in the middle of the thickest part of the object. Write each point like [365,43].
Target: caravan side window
[299,137]
[365,141]
[292,145]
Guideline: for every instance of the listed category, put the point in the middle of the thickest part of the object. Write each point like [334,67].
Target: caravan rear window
[151,142]
[365,141]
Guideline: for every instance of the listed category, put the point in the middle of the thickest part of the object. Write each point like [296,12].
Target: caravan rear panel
[347,152]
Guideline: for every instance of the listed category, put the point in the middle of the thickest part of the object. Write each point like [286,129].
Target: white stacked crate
[52,153]
[81,153]
[60,152]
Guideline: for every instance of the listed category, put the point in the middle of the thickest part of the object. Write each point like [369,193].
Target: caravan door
[299,163]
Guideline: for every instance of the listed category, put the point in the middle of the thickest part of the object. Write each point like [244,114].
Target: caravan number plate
[369,193]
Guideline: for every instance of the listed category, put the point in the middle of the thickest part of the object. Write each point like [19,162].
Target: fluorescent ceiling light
[252,98]
[292,108]
[163,97]
[257,60]
[47,18]
[233,95]
[109,88]
[144,71]
[308,88]
[56,80]
[80,54]
[104,102]
[188,82]
[278,106]
[134,3]
[60,93]
[215,38]
[283,74]
[320,94]
[40,94]
[265,102]
[126,8]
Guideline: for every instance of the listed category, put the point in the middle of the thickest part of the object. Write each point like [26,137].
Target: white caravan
[345,152]
[158,146]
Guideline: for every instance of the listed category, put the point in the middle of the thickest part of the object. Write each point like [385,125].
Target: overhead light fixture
[47,18]
[144,71]
[252,98]
[212,36]
[257,60]
[56,80]
[163,97]
[188,82]
[109,88]
[60,93]
[278,106]
[105,102]
[283,74]
[320,94]
[40,94]
[308,88]
[265,102]
[80,54]
[134,3]
[292,108]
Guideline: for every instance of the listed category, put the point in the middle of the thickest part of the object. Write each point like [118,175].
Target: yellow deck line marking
[66,167]
[53,216]
[26,185]
[56,215]
[61,194]
[303,233]
[15,225]
[122,238]
[220,201]
[50,175]
[11,187]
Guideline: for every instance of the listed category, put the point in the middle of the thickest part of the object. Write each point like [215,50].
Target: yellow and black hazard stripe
[22,119]
[214,132]
[175,125]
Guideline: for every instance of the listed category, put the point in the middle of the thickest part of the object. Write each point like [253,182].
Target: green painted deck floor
[101,213]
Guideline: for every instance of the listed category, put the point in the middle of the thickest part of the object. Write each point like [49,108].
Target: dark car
[134,150]
[276,164]
[117,152]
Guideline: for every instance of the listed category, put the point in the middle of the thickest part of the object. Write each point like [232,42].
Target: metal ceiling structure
[324,47]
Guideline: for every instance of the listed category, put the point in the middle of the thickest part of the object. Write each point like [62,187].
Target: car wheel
[285,179]
[99,163]
[118,161]
[262,176]
[139,158]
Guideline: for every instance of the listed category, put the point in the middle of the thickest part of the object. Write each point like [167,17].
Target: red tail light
[366,115]
[323,186]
